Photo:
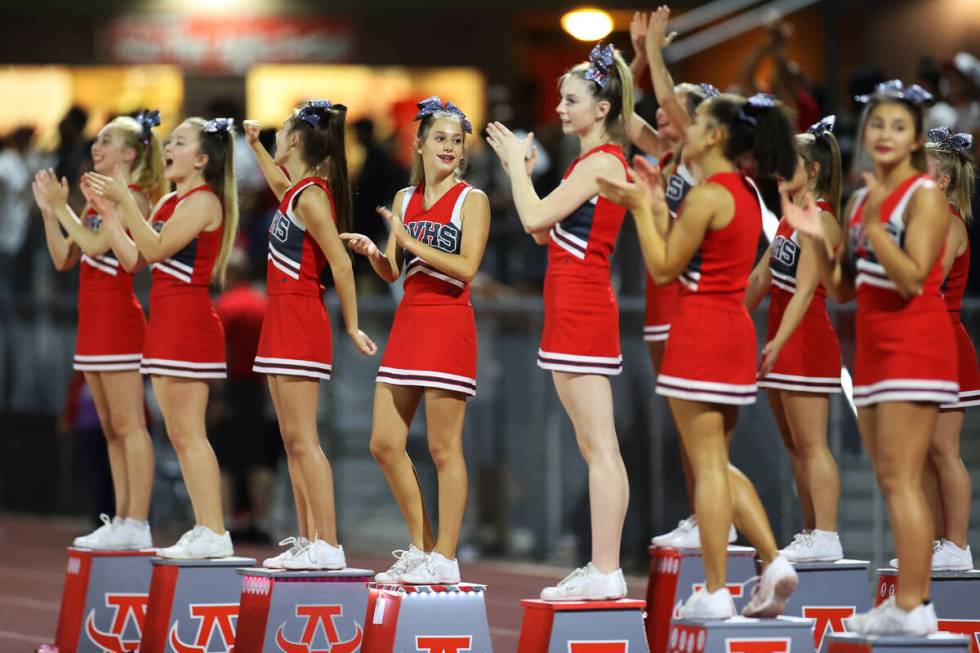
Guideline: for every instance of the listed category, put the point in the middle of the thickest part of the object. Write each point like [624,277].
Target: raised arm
[274,176]
[386,264]
[64,253]
[663,84]
[313,207]
[926,225]
[462,266]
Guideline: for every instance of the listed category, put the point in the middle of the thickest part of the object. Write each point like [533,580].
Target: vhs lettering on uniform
[675,188]
[435,234]
[451,644]
[92,222]
[280,227]
[784,250]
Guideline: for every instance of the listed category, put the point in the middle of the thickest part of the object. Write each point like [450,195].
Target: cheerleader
[580,343]
[309,176]
[709,364]
[801,359]
[950,166]
[677,105]
[187,240]
[111,324]
[905,363]
[439,227]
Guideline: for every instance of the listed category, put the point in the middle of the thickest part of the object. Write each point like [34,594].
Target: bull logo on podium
[126,609]
[827,619]
[609,646]
[319,618]
[211,616]
[758,645]
[968,627]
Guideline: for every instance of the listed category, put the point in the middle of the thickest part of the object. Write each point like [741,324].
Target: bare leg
[114,445]
[657,348]
[956,489]
[124,393]
[444,411]
[394,408]
[587,399]
[184,403]
[303,522]
[807,415]
[799,471]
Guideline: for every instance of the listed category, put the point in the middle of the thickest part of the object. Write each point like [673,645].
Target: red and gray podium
[104,602]
[938,643]
[676,573]
[955,595]
[426,619]
[302,611]
[193,605]
[582,626]
[829,593]
[740,635]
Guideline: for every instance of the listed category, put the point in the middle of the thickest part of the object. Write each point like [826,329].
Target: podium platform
[955,595]
[103,604]
[829,593]
[426,619]
[741,635]
[676,573]
[193,605]
[854,643]
[302,611]
[582,626]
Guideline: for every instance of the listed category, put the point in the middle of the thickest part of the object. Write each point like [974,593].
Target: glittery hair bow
[708,90]
[434,104]
[960,144]
[216,125]
[147,120]
[312,113]
[824,126]
[601,61]
[746,113]
[895,89]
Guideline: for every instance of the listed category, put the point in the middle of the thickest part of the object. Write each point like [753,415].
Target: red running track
[32,570]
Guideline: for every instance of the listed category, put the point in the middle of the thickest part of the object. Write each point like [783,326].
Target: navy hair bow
[313,111]
[708,90]
[434,104]
[601,61]
[824,126]
[147,120]
[754,103]
[961,144]
[895,89]
[216,125]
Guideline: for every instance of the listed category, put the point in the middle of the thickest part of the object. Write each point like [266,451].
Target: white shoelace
[402,561]
[572,577]
[190,536]
[294,543]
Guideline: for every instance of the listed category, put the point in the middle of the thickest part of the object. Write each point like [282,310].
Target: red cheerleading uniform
[810,359]
[581,316]
[953,289]
[295,338]
[184,337]
[662,300]
[111,323]
[710,355]
[905,348]
[432,343]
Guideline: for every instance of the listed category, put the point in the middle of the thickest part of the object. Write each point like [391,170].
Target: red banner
[226,43]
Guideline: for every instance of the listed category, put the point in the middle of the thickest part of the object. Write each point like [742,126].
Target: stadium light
[587,24]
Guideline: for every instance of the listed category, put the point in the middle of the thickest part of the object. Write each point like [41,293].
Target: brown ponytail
[325,152]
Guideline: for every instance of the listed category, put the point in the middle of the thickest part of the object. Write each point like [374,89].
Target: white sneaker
[405,561]
[587,584]
[435,569]
[776,584]
[296,545]
[691,538]
[814,546]
[709,605]
[317,555]
[199,543]
[95,539]
[949,557]
[683,526]
[937,556]
[889,619]
[129,534]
